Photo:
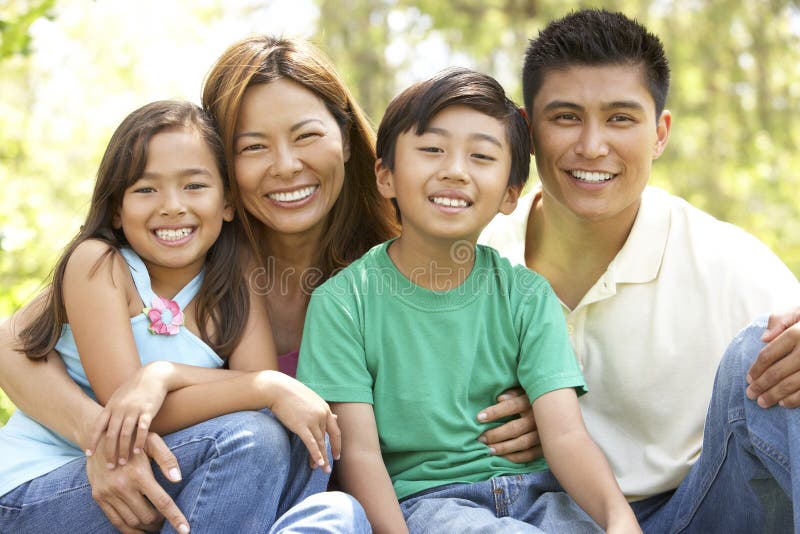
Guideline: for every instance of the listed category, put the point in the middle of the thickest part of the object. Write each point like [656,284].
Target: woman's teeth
[293,196]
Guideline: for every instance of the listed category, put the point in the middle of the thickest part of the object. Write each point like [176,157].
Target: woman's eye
[253,147]
[308,135]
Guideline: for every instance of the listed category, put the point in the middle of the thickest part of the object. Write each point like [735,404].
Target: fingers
[126,432]
[160,453]
[775,362]
[779,382]
[156,449]
[141,434]
[97,432]
[511,405]
[114,426]
[314,440]
[525,456]
[335,436]
[780,322]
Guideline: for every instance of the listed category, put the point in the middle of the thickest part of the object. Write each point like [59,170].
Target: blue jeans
[748,468]
[533,502]
[241,472]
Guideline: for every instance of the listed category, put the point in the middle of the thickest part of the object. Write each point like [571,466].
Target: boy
[653,290]
[430,325]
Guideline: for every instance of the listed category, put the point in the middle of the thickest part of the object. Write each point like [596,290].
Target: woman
[302,155]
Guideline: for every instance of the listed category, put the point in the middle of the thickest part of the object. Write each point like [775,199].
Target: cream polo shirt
[650,333]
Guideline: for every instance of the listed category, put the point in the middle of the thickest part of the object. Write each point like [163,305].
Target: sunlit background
[70,70]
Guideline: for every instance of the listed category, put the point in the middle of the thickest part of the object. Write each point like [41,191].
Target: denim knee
[257,437]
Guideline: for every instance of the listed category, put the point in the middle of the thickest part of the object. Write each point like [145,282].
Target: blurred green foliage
[735,100]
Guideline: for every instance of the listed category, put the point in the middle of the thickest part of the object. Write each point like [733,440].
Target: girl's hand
[127,416]
[516,440]
[306,414]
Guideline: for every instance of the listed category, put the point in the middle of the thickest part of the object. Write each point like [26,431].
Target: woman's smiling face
[289,157]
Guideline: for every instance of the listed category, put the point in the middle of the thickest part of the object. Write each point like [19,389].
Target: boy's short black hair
[417,105]
[595,37]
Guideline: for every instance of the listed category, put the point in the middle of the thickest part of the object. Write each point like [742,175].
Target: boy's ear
[384,179]
[528,123]
[510,199]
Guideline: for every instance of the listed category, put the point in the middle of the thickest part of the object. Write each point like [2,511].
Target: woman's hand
[306,414]
[517,440]
[125,420]
[130,496]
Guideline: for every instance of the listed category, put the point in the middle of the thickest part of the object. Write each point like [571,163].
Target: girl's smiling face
[173,213]
[289,157]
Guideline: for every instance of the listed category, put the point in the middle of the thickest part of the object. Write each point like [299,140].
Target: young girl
[155,275]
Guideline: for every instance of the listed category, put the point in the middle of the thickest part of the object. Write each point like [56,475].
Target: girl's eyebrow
[480,136]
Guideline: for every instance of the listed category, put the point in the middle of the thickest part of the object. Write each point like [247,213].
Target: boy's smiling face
[595,136]
[452,180]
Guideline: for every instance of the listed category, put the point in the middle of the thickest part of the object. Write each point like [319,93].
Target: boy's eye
[432,149]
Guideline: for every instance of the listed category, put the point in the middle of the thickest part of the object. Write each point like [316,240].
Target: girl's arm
[361,471]
[578,463]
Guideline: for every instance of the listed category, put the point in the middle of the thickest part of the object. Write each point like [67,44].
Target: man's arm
[361,471]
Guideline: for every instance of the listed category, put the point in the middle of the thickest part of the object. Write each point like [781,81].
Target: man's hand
[775,375]
[129,495]
[517,440]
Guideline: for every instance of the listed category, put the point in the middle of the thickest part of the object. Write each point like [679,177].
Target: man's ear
[510,199]
[384,179]
[662,133]
[528,123]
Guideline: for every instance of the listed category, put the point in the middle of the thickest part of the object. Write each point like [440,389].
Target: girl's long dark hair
[223,299]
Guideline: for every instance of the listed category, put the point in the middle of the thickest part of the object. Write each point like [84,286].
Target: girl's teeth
[450,202]
[293,196]
[587,176]
[173,235]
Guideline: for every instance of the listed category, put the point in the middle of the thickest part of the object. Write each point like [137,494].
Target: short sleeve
[332,358]
[547,361]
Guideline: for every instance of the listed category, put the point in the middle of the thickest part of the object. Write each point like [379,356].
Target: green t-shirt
[429,361]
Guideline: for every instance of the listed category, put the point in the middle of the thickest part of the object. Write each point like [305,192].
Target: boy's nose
[454,169]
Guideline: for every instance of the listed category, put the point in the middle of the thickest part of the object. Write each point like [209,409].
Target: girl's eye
[196,186]
[432,149]
[144,190]
[485,157]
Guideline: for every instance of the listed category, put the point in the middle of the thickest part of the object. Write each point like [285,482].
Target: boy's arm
[361,471]
[578,463]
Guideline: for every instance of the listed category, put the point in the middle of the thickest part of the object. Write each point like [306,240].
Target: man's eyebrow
[476,135]
[562,104]
[618,104]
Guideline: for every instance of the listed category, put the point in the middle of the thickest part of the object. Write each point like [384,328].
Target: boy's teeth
[173,234]
[588,176]
[450,202]
[293,196]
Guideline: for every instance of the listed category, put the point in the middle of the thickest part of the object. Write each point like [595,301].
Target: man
[653,290]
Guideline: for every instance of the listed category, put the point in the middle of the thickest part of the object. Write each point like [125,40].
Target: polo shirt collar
[640,258]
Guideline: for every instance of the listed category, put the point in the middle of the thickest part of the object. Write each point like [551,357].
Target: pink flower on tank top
[165,316]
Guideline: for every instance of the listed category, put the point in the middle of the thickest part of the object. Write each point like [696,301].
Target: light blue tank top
[29,450]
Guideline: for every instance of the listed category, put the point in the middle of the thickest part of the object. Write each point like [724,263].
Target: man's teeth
[173,235]
[450,202]
[588,176]
[293,196]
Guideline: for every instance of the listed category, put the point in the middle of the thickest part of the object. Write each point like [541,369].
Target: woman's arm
[65,408]
[361,471]
[578,463]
